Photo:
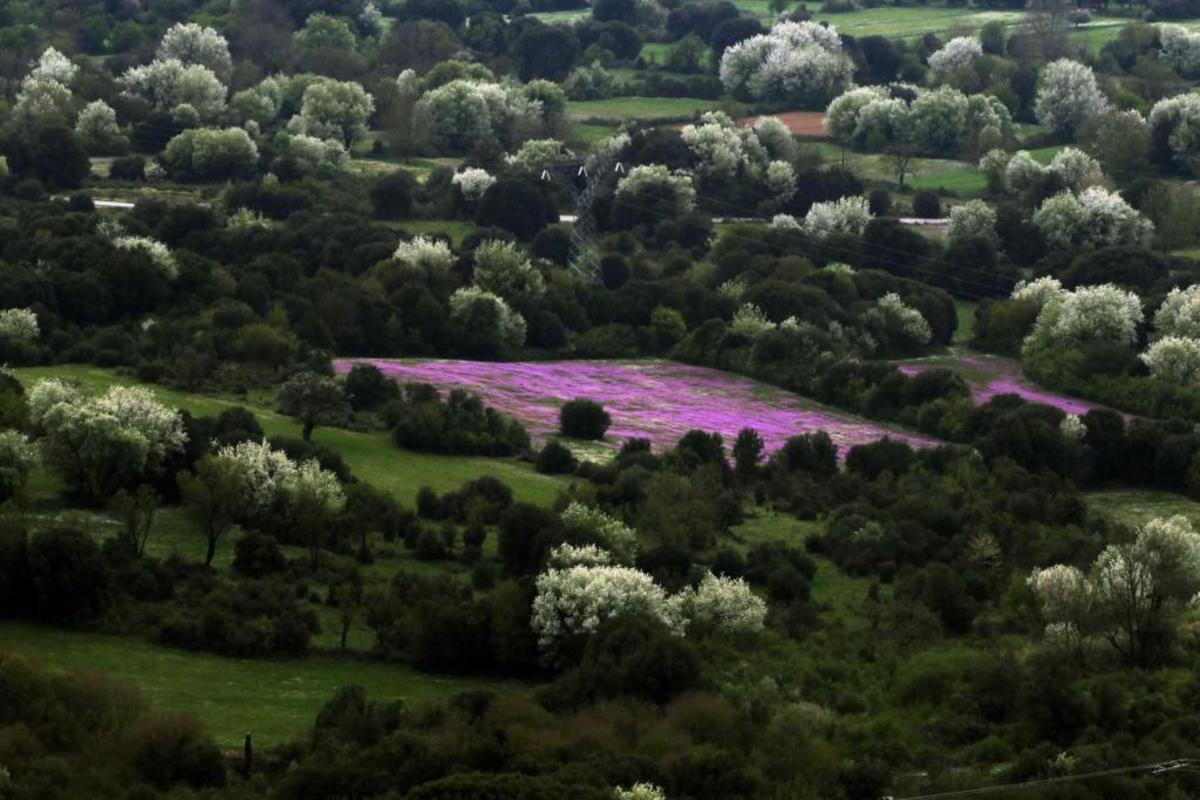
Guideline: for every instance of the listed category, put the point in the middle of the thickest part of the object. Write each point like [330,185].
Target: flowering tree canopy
[190,43]
[610,532]
[1175,359]
[1179,314]
[1068,95]
[1094,218]
[1088,314]
[845,215]
[800,63]
[502,268]
[961,51]
[18,325]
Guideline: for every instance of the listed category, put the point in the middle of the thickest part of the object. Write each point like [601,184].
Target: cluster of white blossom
[503,269]
[1104,313]
[535,155]
[961,51]
[1068,95]
[158,252]
[801,63]
[937,121]
[733,288]
[777,138]
[781,181]
[724,603]
[1176,120]
[45,96]
[972,218]
[97,128]
[211,153]
[19,456]
[261,102]
[190,43]
[75,428]
[331,109]
[723,150]
[785,222]
[565,556]
[1095,217]
[316,155]
[168,84]
[1175,359]
[510,325]
[1039,290]
[658,181]
[1181,49]
[473,182]
[1179,314]
[465,112]
[1129,588]
[750,322]
[1072,428]
[612,534]
[844,215]
[573,602]
[1019,171]
[902,320]
[423,253]
[270,477]
[245,218]
[640,791]
[18,325]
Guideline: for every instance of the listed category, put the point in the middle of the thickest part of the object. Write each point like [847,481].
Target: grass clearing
[643,108]
[371,456]
[456,229]
[1136,506]
[275,699]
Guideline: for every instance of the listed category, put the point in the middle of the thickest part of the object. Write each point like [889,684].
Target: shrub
[257,554]
[927,204]
[554,459]
[583,419]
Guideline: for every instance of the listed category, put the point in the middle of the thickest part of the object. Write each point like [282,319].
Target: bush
[392,195]
[927,204]
[583,419]
[554,459]
[128,168]
[171,749]
[257,554]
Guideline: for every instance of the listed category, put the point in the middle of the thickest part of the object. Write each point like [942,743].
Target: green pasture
[275,699]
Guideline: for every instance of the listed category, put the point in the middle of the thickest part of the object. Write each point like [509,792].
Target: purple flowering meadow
[655,400]
[988,376]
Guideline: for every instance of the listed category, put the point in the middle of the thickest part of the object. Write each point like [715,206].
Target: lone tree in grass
[312,399]
[583,419]
[213,491]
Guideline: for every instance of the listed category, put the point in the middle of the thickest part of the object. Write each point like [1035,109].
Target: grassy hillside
[371,456]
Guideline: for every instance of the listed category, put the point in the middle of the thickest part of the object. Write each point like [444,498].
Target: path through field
[653,399]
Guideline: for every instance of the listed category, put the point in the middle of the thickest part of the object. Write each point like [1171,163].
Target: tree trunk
[308,429]
[212,550]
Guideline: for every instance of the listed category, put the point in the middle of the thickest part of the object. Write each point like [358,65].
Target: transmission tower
[585,180]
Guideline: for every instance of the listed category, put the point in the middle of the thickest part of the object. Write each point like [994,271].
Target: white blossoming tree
[99,444]
[1175,359]
[97,128]
[1133,593]
[473,183]
[1094,218]
[572,603]
[168,84]
[726,604]
[331,109]
[1068,95]
[190,43]
[1181,49]
[19,457]
[509,324]
[464,112]
[655,190]
[845,215]
[750,322]
[800,63]
[420,252]
[1176,121]
[1088,314]
[898,323]
[611,533]
[53,66]
[503,269]
[1038,291]
[640,791]
[959,52]
[1179,314]
[972,218]
[18,325]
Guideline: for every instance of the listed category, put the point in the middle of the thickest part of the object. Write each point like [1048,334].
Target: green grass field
[456,229]
[1134,507]
[643,108]
[275,699]
[371,456]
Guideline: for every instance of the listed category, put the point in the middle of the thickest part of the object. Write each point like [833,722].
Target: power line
[1157,768]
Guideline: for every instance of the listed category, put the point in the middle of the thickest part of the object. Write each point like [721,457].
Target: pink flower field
[989,376]
[656,400]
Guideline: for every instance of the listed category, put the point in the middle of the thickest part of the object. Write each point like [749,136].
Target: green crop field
[371,456]
[1134,507]
[273,698]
